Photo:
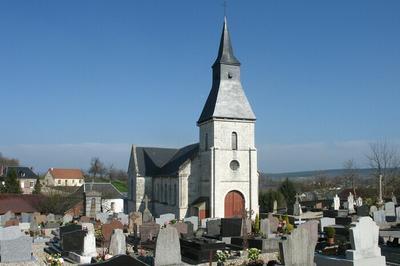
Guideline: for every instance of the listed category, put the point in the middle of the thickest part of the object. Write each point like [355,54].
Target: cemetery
[347,233]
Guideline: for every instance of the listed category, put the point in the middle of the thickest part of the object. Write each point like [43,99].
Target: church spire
[225,52]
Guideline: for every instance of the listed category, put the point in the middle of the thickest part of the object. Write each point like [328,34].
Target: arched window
[234,141]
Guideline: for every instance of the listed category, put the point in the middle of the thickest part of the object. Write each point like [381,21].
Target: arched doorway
[234,204]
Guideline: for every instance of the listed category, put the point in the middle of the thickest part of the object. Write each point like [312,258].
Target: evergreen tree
[12,183]
[289,192]
[38,187]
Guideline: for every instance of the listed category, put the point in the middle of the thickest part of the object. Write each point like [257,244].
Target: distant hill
[363,173]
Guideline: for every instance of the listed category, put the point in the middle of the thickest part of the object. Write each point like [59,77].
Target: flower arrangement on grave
[253,254]
[54,260]
[221,256]
[173,221]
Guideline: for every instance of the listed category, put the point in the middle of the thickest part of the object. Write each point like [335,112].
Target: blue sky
[88,78]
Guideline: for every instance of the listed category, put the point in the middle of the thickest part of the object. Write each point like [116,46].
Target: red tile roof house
[64,177]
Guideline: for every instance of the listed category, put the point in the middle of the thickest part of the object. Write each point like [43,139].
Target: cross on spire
[225,4]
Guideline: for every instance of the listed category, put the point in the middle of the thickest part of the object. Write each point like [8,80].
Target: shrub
[330,232]
[253,254]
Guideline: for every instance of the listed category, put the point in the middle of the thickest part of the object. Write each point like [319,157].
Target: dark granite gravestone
[69,228]
[343,213]
[231,227]
[391,219]
[190,230]
[199,250]
[214,227]
[343,220]
[330,213]
[363,210]
[73,241]
[120,260]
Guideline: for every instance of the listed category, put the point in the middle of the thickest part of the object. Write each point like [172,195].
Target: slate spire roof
[227,99]
[225,52]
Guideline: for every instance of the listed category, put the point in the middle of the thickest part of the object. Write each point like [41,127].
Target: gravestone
[398,213]
[246,226]
[190,230]
[88,227]
[343,221]
[33,227]
[265,227]
[297,207]
[117,243]
[89,245]
[231,227]
[11,232]
[379,217]
[24,226]
[350,203]
[275,207]
[102,217]
[12,222]
[336,203]
[148,231]
[73,241]
[363,210]
[194,220]
[181,228]
[372,209]
[298,249]
[40,219]
[214,227]
[51,218]
[364,243]
[67,218]
[326,221]
[69,228]
[165,219]
[312,228]
[274,223]
[7,216]
[394,199]
[168,248]
[359,202]
[26,217]
[204,221]
[16,250]
[390,209]
[123,218]
[107,229]
[135,219]
[84,219]
[147,216]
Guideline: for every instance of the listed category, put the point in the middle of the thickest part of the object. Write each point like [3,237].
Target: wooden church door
[234,204]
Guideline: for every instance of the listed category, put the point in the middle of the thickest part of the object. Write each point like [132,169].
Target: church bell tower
[227,147]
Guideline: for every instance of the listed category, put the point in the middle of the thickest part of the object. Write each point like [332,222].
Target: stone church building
[216,177]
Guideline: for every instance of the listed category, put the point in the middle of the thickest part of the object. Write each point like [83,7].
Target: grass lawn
[120,185]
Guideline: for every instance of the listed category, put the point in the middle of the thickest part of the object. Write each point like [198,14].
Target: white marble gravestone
[350,203]
[326,221]
[275,207]
[359,202]
[379,217]
[194,220]
[165,219]
[168,249]
[364,243]
[89,245]
[398,213]
[336,203]
[390,209]
[394,199]
[117,243]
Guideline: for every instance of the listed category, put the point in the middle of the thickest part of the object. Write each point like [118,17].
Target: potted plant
[330,233]
[253,254]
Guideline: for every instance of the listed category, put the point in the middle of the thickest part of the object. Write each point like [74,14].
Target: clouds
[272,157]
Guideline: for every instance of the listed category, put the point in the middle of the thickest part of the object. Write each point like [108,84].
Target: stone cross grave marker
[336,203]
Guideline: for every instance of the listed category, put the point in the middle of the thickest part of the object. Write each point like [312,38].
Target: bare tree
[350,174]
[4,161]
[97,167]
[384,158]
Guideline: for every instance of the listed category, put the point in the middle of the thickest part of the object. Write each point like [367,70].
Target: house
[26,177]
[64,177]
[215,177]
[99,197]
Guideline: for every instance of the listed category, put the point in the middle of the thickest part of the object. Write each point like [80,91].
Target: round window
[234,165]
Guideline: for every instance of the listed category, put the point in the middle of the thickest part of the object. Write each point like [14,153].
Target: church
[216,177]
